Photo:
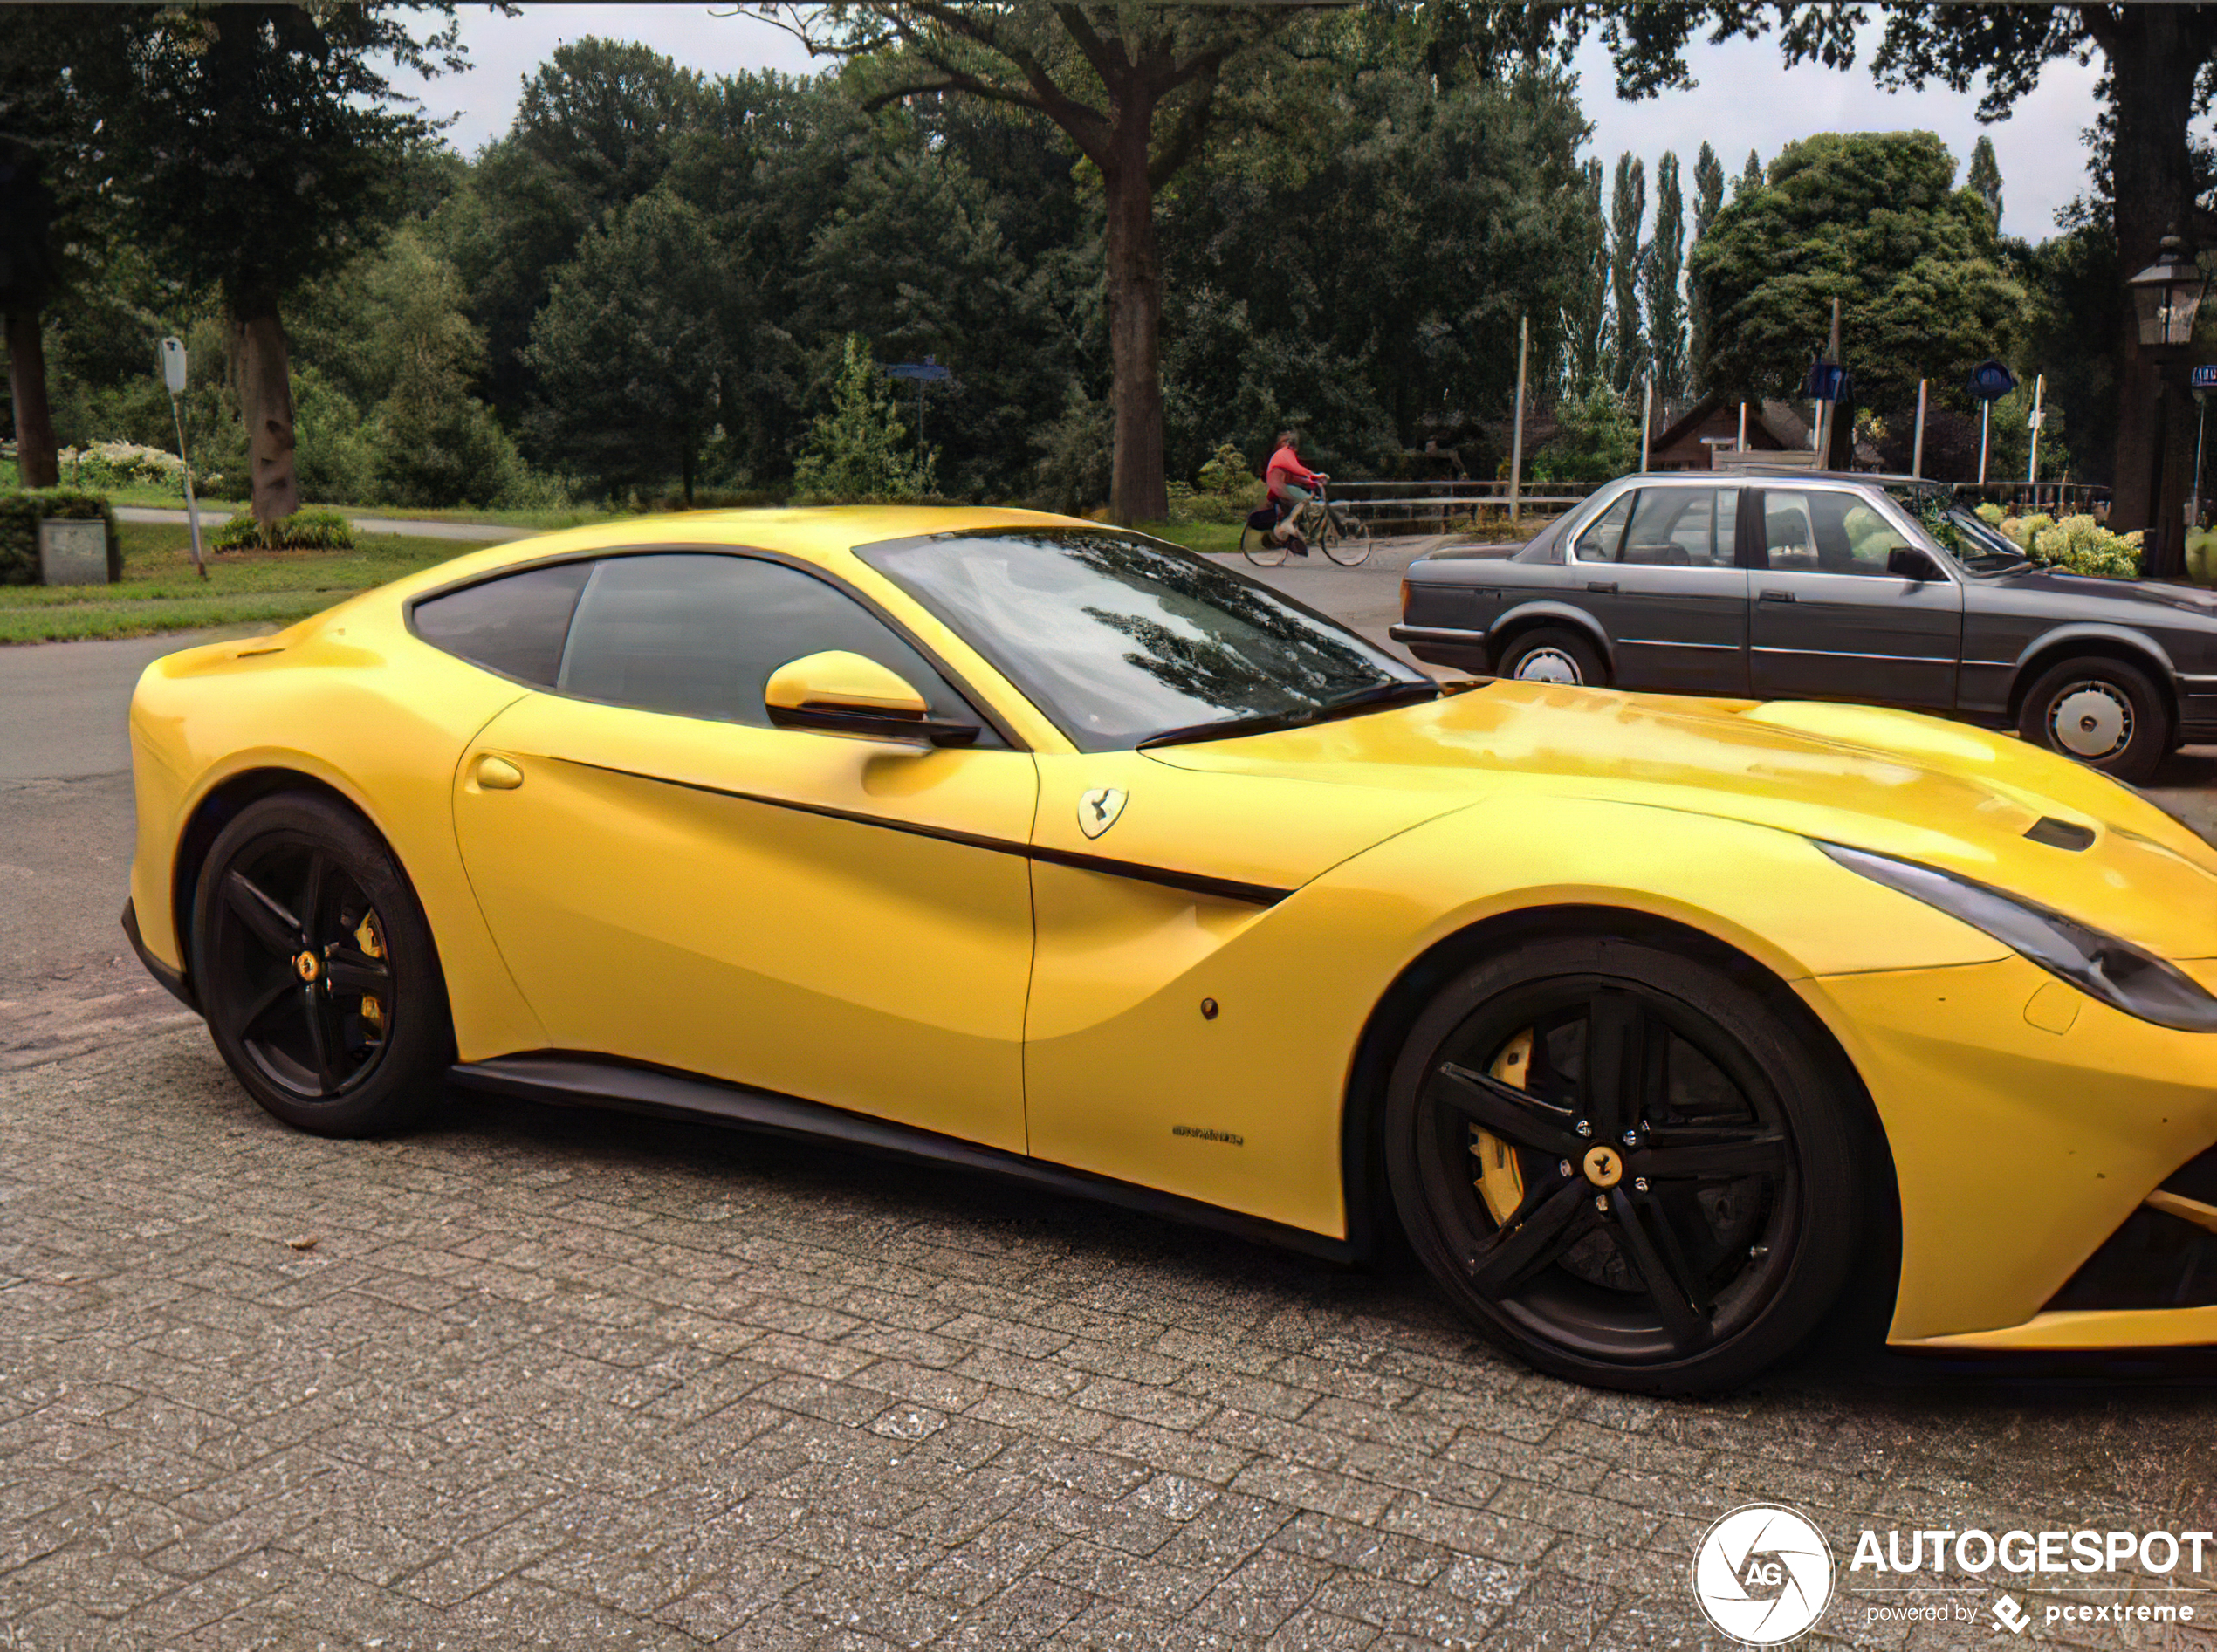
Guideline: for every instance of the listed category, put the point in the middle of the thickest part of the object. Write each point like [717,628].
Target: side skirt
[564,1079]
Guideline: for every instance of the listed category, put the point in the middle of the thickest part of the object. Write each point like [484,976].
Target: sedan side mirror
[836,692]
[1906,562]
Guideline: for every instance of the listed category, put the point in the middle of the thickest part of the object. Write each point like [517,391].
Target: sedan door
[1658,569]
[673,881]
[1830,621]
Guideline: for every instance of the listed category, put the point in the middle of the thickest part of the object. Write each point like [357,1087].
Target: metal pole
[192,502]
[2032,465]
[1917,455]
[1647,413]
[2202,421]
[1986,419]
[1516,442]
[1743,428]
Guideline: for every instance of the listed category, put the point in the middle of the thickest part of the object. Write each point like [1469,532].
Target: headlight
[2119,974]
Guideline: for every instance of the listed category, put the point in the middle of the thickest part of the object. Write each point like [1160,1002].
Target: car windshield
[1122,640]
[1977,545]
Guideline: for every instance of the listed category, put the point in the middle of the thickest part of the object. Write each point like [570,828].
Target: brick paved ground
[573,1380]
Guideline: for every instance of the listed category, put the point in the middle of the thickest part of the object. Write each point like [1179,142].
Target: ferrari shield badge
[1098,809]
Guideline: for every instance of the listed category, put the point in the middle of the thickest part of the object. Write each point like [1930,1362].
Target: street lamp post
[2166,295]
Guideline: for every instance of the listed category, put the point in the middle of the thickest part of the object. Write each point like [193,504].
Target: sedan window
[1683,527]
[1119,639]
[698,635]
[1820,530]
[1602,537]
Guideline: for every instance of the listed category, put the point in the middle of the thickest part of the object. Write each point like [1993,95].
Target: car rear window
[515,625]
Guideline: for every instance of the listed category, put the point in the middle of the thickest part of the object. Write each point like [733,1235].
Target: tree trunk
[1137,492]
[34,458]
[2152,67]
[266,403]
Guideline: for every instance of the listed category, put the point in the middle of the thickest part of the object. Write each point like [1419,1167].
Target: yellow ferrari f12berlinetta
[1024,845]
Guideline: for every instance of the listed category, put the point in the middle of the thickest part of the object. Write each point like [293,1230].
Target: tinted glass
[1682,527]
[1118,638]
[1823,531]
[699,636]
[1598,540]
[515,625]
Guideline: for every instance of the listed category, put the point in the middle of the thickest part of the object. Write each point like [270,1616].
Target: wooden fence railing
[1422,498]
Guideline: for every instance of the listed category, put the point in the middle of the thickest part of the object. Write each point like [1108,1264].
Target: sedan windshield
[1121,639]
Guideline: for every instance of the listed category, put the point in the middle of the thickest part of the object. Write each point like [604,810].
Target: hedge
[19,515]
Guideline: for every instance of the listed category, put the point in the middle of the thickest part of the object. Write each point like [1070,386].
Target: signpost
[1990,381]
[173,375]
[1516,442]
[927,371]
[2032,465]
[2205,381]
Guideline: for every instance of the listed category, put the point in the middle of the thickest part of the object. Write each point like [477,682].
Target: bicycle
[1344,536]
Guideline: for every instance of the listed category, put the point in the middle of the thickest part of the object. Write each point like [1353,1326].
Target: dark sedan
[1821,586]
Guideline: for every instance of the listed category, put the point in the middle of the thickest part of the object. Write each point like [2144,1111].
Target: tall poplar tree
[1750,179]
[1627,257]
[1666,304]
[1586,326]
[1985,176]
[1708,199]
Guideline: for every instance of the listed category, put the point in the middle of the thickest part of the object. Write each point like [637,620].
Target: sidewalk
[473,532]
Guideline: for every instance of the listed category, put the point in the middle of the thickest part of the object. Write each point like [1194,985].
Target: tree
[1665,307]
[1708,199]
[1750,178]
[1985,176]
[262,145]
[1627,259]
[1134,88]
[1874,220]
[1587,319]
[860,451]
[631,351]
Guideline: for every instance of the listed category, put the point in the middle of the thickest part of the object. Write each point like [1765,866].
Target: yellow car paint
[640,895]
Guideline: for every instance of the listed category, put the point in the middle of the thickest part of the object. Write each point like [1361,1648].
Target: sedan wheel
[1627,1167]
[1554,655]
[2105,713]
[316,970]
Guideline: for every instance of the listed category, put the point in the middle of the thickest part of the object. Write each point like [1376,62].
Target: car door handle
[1777,596]
[1607,587]
[498,774]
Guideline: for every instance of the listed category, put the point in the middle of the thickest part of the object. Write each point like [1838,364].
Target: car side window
[698,635]
[1602,537]
[515,625]
[1683,527]
[1820,530]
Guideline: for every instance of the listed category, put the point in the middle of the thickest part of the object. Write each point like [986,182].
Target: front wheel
[1347,539]
[317,972]
[2108,715]
[1626,1166]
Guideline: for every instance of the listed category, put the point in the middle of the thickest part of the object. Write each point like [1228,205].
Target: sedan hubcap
[1547,665]
[2091,720]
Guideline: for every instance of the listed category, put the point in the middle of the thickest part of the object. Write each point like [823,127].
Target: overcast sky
[1745,100]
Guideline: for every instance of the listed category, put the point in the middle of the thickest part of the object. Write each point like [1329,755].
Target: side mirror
[1906,562]
[840,693]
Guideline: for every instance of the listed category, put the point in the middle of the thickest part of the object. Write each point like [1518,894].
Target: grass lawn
[1220,538]
[160,591]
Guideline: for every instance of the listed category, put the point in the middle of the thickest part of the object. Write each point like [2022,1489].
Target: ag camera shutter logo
[1763,1575]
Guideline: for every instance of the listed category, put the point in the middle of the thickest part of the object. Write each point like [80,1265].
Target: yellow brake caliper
[1500,1180]
[365,936]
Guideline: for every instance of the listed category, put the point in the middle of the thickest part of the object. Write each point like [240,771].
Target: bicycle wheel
[1346,538]
[1259,549]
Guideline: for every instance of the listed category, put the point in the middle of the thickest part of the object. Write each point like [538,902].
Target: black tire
[2102,713]
[1256,545]
[316,970]
[1347,539]
[1725,1229]
[1553,654]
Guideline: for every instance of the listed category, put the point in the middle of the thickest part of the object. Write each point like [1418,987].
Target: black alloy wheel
[316,970]
[1626,1165]
[2105,713]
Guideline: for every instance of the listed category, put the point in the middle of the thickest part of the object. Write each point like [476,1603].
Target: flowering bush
[2076,544]
[105,465]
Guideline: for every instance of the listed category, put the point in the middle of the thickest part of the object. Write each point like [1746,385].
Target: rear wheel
[1625,1165]
[316,970]
[1259,549]
[2108,715]
[1553,654]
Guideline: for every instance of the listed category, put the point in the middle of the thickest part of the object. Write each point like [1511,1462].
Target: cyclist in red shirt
[1290,482]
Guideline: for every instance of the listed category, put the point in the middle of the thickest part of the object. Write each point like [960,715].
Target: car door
[1659,569]
[673,881]
[1829,621]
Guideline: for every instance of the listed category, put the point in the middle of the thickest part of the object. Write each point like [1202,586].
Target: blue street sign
[2205,377]
[1828,382]
[1990,381]
[928,370]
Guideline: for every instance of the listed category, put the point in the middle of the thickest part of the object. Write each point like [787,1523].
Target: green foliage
[1985,178]
[19,516]
[1665,306]
[1708,201]
[302,531]
[1587,316]
[2076,544]
[107,467]
[1626,258]
[1874,220]
[1226,490]
[1597,437]
[858,452]
[1075,451]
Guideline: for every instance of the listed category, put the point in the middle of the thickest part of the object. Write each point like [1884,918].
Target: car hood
[2078,588]
[1918,787]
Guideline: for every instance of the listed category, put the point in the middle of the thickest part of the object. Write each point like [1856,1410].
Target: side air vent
[2060,834]
[2164,1255]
